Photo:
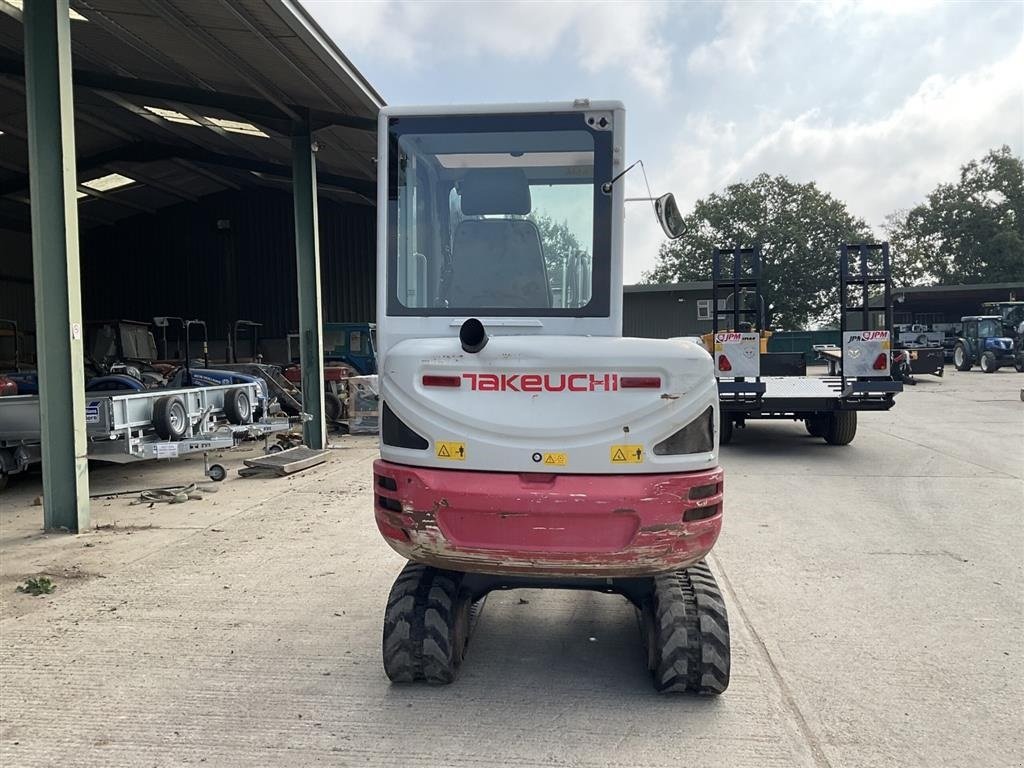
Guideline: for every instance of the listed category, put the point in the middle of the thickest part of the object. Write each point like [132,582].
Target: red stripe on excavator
[442,381]
[640,382]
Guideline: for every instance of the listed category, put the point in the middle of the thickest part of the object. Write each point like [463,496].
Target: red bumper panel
[578,525]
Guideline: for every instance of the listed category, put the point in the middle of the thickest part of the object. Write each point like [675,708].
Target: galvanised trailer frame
[120,427]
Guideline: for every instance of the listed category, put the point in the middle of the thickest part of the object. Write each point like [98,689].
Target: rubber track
[419,624]
[691,633]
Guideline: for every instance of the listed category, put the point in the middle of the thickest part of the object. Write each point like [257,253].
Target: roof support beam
[264,112]
[148,153]
[57,281]
[307,257]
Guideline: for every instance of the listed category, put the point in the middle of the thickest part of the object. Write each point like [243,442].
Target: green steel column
[52,182]
[307,256]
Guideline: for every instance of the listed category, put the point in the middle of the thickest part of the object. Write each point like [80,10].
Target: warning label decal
[450,450]
[627,454]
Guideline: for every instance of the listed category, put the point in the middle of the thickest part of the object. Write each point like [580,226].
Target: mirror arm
[607,186]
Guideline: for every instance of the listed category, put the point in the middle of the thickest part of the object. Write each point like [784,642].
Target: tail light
[640,382]
[881,362]
[442,381]
[724,364]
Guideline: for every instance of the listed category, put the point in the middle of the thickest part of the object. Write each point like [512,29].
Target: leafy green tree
[971,231]
[799,228]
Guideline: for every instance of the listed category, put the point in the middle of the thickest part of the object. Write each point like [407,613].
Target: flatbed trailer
[136,426]
[860,369]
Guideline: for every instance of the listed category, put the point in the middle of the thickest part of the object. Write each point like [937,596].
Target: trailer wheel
[1018,366]
[426,625]
[686,629]
[816,425]
[989,363]
[960,358]
[170,419]
[332,407]
[841,428]
[725,430]
[216,472]
[237,406]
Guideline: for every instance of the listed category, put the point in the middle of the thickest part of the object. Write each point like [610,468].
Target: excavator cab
[524,442]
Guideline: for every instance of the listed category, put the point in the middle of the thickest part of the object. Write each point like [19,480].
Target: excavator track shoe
[686,629]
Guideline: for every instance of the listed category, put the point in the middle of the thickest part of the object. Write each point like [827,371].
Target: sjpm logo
[868,336]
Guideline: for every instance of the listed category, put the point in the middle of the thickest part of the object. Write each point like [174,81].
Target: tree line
[969,231]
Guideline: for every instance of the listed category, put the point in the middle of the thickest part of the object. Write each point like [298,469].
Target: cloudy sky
[877,102]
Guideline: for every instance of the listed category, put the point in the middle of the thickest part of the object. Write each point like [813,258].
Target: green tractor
[983,342]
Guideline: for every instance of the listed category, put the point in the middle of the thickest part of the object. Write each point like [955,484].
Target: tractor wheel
[426,625]
[960,358]
[332,407]
[170,419]
[725,431]
[989,363]
[816,425]
[841,428]
[686,629]
[237,406]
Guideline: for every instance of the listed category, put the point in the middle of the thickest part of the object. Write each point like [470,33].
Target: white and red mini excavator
[524,441]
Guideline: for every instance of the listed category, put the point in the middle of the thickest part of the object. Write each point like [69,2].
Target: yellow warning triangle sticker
[619,456]
[444,452]
[550,459]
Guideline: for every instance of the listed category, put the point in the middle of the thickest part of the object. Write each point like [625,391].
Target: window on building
[703,309]
[928,318]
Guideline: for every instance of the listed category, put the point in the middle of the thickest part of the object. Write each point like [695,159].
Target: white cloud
[418,35]
[744,32]
[875,166]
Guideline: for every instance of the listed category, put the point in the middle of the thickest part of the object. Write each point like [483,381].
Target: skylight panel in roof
[109,182]
[171,115]
[237,126]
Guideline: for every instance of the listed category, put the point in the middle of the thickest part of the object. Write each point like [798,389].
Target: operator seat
[497,262]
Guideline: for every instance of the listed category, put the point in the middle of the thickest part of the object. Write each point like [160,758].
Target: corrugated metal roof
[268,51]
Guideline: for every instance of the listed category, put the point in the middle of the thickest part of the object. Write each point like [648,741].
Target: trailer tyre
[989,363]
[961,359]
[237,406]
[725,431]
[332,407]
[816,425]
[170,418]
[841,428]
[686,629]
[426,625]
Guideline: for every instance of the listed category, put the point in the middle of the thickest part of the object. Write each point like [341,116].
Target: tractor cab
[983,342]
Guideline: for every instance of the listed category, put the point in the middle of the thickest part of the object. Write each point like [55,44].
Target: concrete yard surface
[876,601]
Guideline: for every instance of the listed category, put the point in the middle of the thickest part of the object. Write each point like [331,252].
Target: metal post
[307,256]
[58,299]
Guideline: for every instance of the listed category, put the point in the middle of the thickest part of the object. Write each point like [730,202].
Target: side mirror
[668,216]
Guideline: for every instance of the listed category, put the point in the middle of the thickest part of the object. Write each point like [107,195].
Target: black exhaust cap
[473,335]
